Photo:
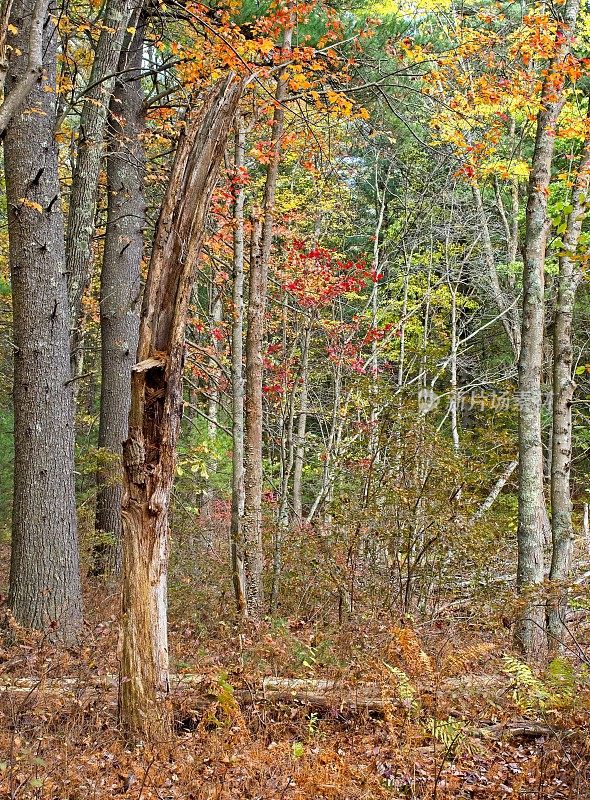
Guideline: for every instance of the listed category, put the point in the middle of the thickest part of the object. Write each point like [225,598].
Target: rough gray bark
[33,52]
[84,191]
[119,296]
[530,627]
[149,454]
[237,377]
[563,391]
[253,476]
[44,573]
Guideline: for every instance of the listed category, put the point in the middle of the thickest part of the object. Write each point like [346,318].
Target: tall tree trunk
[530,627]
[332,446]
[237,375]
[119,295]
[253,475]
[287,455]
[149,454]
[45,588]
[84,191]
[454,396]
[30,73]
[563,391]
[207,499]
[300,435]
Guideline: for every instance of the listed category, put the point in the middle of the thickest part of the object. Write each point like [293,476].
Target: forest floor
[460,717]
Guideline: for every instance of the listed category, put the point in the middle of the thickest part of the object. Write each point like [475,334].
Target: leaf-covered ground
[450,728]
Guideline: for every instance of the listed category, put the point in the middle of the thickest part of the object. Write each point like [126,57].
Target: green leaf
[297,749]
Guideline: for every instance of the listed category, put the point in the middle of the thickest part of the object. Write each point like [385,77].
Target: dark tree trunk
[259,268]
[44,574]
[119,297]
[84,191]
[149,454]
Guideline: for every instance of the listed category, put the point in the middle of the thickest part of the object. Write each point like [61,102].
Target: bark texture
[259,267]
[563,392]
[44,572]
[31,72]
[84,191]
[149,454]
[253,474]
[530,627]
[119,296]
[237,378]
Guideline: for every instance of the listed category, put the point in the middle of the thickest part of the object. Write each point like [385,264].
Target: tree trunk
[300,435]
[287,456]
[259,266]
[563,391]
[495,492]
[44,573]
[149,454]
[237,358]
[119,296]
[253,475]
[31,71]
[84,191]
[530,627]
[207,499]
[454,395]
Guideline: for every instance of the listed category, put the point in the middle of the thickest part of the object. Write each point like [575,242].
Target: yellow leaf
[266,45]
[31,204]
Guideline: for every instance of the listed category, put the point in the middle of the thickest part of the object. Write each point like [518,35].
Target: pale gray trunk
[300,435]
[530,627]
[253,475]
[287,450]
[45,588]
[331,449]
[32,49]
[563,391]
[207,501]
[495,492]
[381,201]
[119,296]
[237,357]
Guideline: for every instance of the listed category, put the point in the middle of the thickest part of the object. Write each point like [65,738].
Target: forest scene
[294,399]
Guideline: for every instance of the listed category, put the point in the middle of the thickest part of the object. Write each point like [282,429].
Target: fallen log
[320,693]
[525,729]
[313,693]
